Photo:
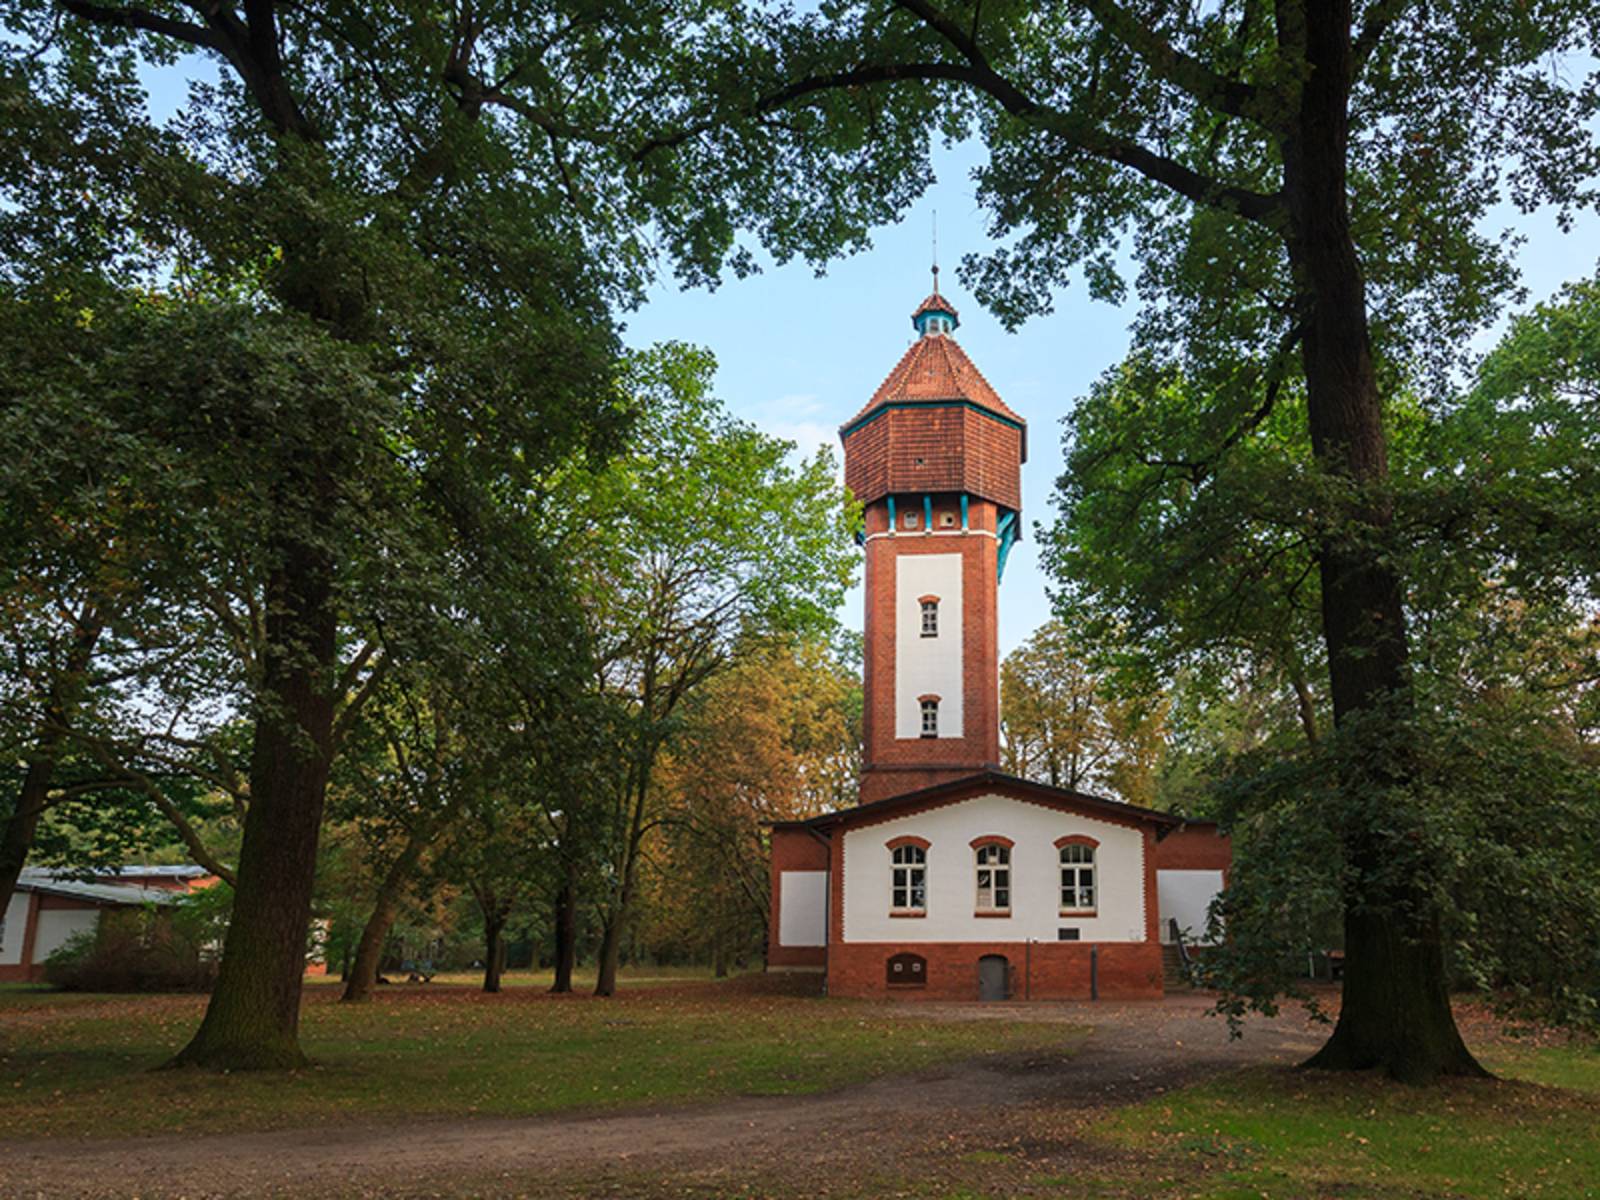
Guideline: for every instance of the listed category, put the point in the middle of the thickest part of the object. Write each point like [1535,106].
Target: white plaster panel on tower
[927,666]
[803,908]
[1035,876]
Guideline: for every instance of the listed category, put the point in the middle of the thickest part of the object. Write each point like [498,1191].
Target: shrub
[134,950]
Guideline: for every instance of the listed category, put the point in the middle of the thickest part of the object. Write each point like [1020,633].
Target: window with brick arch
[908,885]
[1077,878]
[930,618]
[930,718]
[994,878]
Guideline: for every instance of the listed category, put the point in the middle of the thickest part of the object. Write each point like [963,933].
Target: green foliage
[1066,724]
[148,949]
[1203,566]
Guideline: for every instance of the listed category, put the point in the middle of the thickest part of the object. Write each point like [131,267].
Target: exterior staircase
[1173,973]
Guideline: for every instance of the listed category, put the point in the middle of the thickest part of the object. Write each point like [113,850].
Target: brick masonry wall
[793,850]
[1044,971]
[1194,848]
[894,765]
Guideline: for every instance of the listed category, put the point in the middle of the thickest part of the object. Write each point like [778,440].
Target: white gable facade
[1035,908]
[989,887]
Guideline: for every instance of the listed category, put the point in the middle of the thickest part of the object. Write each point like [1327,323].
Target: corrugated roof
[935,368]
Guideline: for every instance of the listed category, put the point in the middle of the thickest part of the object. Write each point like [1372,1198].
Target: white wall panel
[56,925]
[802,908]
[1035,876]
[927,666]
[16,928]
[1185,897]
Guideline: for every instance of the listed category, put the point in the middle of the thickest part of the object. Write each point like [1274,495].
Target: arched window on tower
[930,617]
[930,716]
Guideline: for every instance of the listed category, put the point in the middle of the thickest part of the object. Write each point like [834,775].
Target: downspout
[827,909]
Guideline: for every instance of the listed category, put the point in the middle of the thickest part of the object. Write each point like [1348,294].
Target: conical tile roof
[935,368]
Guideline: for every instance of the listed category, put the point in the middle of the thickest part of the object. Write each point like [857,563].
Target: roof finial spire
[935,315]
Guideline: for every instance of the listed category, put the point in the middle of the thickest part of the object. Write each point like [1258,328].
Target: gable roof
[936,368]
[997,782]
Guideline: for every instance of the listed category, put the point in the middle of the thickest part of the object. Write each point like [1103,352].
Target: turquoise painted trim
[891,515]
[972,404]
[921,319]
[1008,538]
[927,512]
[963,510]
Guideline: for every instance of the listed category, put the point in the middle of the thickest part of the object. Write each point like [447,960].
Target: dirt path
[1134,1050]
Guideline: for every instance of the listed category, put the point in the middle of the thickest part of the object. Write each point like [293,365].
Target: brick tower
[936,460]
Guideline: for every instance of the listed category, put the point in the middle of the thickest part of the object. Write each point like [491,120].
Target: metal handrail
[1184,959]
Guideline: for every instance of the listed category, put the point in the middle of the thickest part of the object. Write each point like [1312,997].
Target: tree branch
[977,73]
[1381,14]
[1182,70]
[149,22]
[186,832]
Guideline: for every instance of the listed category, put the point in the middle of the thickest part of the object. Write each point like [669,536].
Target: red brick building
[950,879]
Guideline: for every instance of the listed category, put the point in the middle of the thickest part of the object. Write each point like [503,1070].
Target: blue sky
[798,355]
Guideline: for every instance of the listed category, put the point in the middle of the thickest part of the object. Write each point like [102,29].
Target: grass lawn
[83,1065]
[1286,1135]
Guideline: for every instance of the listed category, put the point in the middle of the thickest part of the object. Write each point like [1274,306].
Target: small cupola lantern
[935,315]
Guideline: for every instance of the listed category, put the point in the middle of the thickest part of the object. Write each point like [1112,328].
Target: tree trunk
[610,952]
[16,839]
[1396,1008]
[494,959]
[611,938]
[253,1019]
[566,921]
[33,797]
[375,934]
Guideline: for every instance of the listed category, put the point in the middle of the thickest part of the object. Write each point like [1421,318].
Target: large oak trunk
[253,1019]
[1395,1012]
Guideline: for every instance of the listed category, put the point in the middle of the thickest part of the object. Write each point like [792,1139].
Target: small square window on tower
[930,718]
[930,618]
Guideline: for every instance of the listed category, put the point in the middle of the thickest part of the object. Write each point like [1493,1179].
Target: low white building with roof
[50,905]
